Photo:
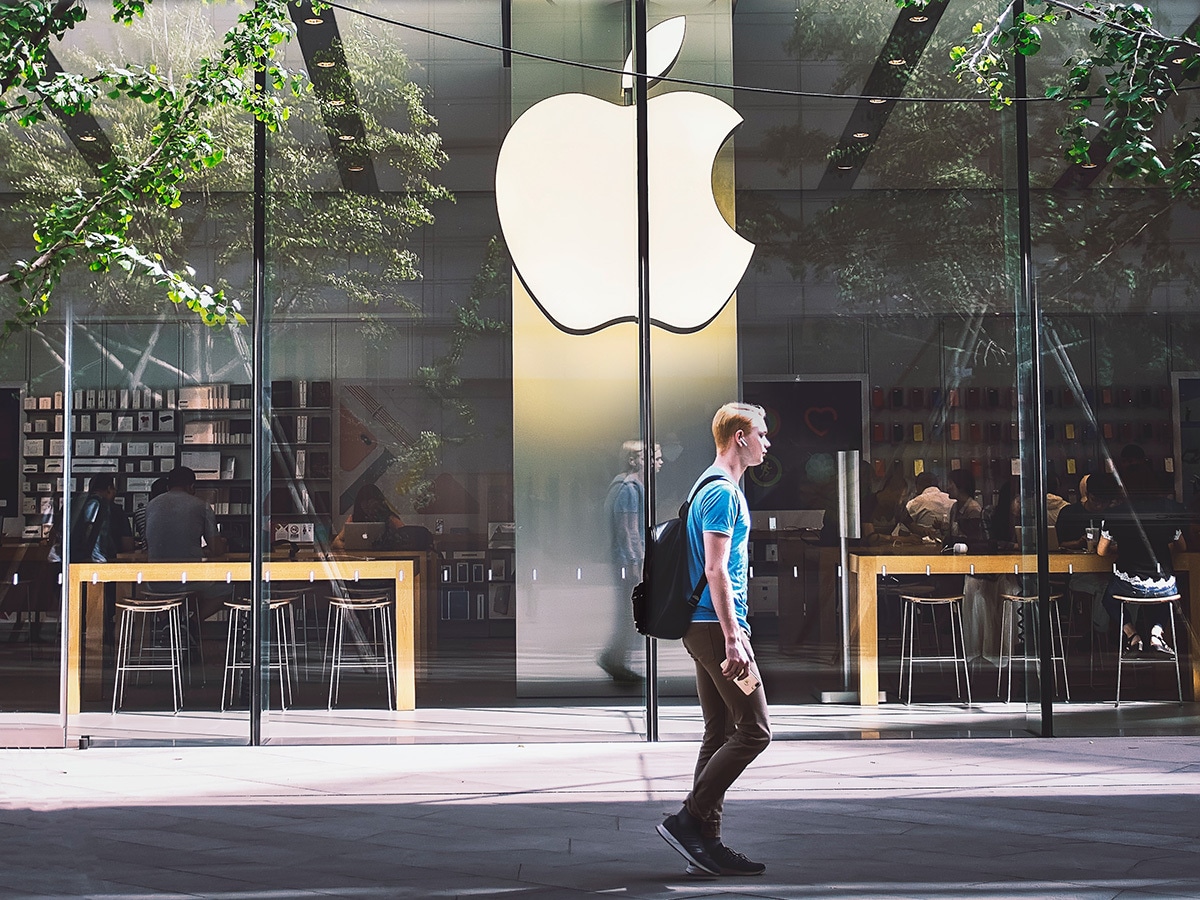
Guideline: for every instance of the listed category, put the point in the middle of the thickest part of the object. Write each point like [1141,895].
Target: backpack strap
[685,512]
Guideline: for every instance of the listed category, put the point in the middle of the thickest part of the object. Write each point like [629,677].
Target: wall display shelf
[137,435]
[302,453]
[977,427]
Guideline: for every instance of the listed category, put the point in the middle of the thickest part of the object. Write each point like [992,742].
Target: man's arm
[738,654]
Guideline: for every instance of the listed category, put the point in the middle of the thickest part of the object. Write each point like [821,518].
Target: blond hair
[733,417]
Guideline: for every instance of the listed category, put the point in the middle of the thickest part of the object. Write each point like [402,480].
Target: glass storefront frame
[1030,382]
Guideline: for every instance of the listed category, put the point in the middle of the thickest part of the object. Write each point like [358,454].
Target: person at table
[371,506]
[886,508]
[99,531]
[157,489]
[980,621]
[1139,532]
[99,528]
[928,513]
[966,515]
[1072,527]
[180,527]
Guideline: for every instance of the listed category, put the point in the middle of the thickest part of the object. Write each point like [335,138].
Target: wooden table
[87,582]
[866,567]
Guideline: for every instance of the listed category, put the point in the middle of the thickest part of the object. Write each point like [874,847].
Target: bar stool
[1008,626]
[371,652]
[912,605]
[237,646]
[303,623]
[189,613]
[143,614]
[1171,599]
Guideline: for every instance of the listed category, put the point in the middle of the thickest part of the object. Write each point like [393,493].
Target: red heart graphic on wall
[820,419]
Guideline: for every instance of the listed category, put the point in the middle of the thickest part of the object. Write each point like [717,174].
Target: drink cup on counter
[1093,538]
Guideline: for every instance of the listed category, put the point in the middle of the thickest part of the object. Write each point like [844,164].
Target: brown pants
[737,726]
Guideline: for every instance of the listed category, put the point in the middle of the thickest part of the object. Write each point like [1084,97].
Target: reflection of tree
[441,381]
[331,249]
[939,247]
[93,219]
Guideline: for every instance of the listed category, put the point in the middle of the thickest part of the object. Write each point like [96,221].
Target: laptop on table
[364,535]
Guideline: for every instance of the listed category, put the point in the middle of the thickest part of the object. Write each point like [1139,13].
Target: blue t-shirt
[720,507]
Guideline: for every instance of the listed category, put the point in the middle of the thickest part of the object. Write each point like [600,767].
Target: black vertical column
[258,543]
[1029,389]
[640,89]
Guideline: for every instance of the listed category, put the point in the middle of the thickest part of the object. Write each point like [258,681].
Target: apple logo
[566,194]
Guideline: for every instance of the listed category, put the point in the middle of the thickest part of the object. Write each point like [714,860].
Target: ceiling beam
[325,59]
[83,129]
[1078,177]
[889,77]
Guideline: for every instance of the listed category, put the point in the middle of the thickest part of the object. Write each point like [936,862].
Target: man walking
[737,726]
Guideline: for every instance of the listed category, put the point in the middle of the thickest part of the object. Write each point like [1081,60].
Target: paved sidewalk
[1107,818]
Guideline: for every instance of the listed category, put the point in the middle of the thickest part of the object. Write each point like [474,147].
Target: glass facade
[429,450]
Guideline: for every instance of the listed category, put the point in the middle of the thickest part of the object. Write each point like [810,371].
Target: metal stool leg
[1120,648]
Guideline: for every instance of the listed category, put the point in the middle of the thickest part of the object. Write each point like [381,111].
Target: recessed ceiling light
[845,168]
[1180,61]
[918,19]
[898,61]
[355,168]
[326,64]
[345,137]
[1087,165]
[862,134]
[877,100]
[314,20]
[88,137]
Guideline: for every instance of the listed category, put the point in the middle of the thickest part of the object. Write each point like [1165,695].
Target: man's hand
[738,656]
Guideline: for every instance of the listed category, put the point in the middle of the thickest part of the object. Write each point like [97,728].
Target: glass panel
[148,614]
[391,365]
[877,316]
[31,384]
[1117,266]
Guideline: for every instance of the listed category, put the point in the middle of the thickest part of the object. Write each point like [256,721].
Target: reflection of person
[1140,533]
[180,527]
[928,513]
[623,507]
[737,725]
[370,506]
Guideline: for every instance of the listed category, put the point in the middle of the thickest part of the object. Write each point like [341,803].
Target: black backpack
[665,599]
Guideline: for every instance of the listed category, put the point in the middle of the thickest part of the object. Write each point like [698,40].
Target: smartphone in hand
[748,683]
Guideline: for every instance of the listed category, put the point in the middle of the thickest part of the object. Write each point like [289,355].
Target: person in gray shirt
[176,522]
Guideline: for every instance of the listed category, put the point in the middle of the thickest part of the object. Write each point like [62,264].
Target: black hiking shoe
[682,832]
[729,862]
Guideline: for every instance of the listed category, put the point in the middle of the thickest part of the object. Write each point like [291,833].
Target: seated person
[1072,527]
[1140,530]
[928,513]
[180,527]
[371,506]
[966,515]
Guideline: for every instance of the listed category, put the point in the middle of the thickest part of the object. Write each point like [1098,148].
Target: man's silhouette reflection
[623,507]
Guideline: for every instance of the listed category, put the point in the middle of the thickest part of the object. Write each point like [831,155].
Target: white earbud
[742,441]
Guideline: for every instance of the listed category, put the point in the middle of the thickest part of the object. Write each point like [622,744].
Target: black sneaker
[730,862]
[682,832]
